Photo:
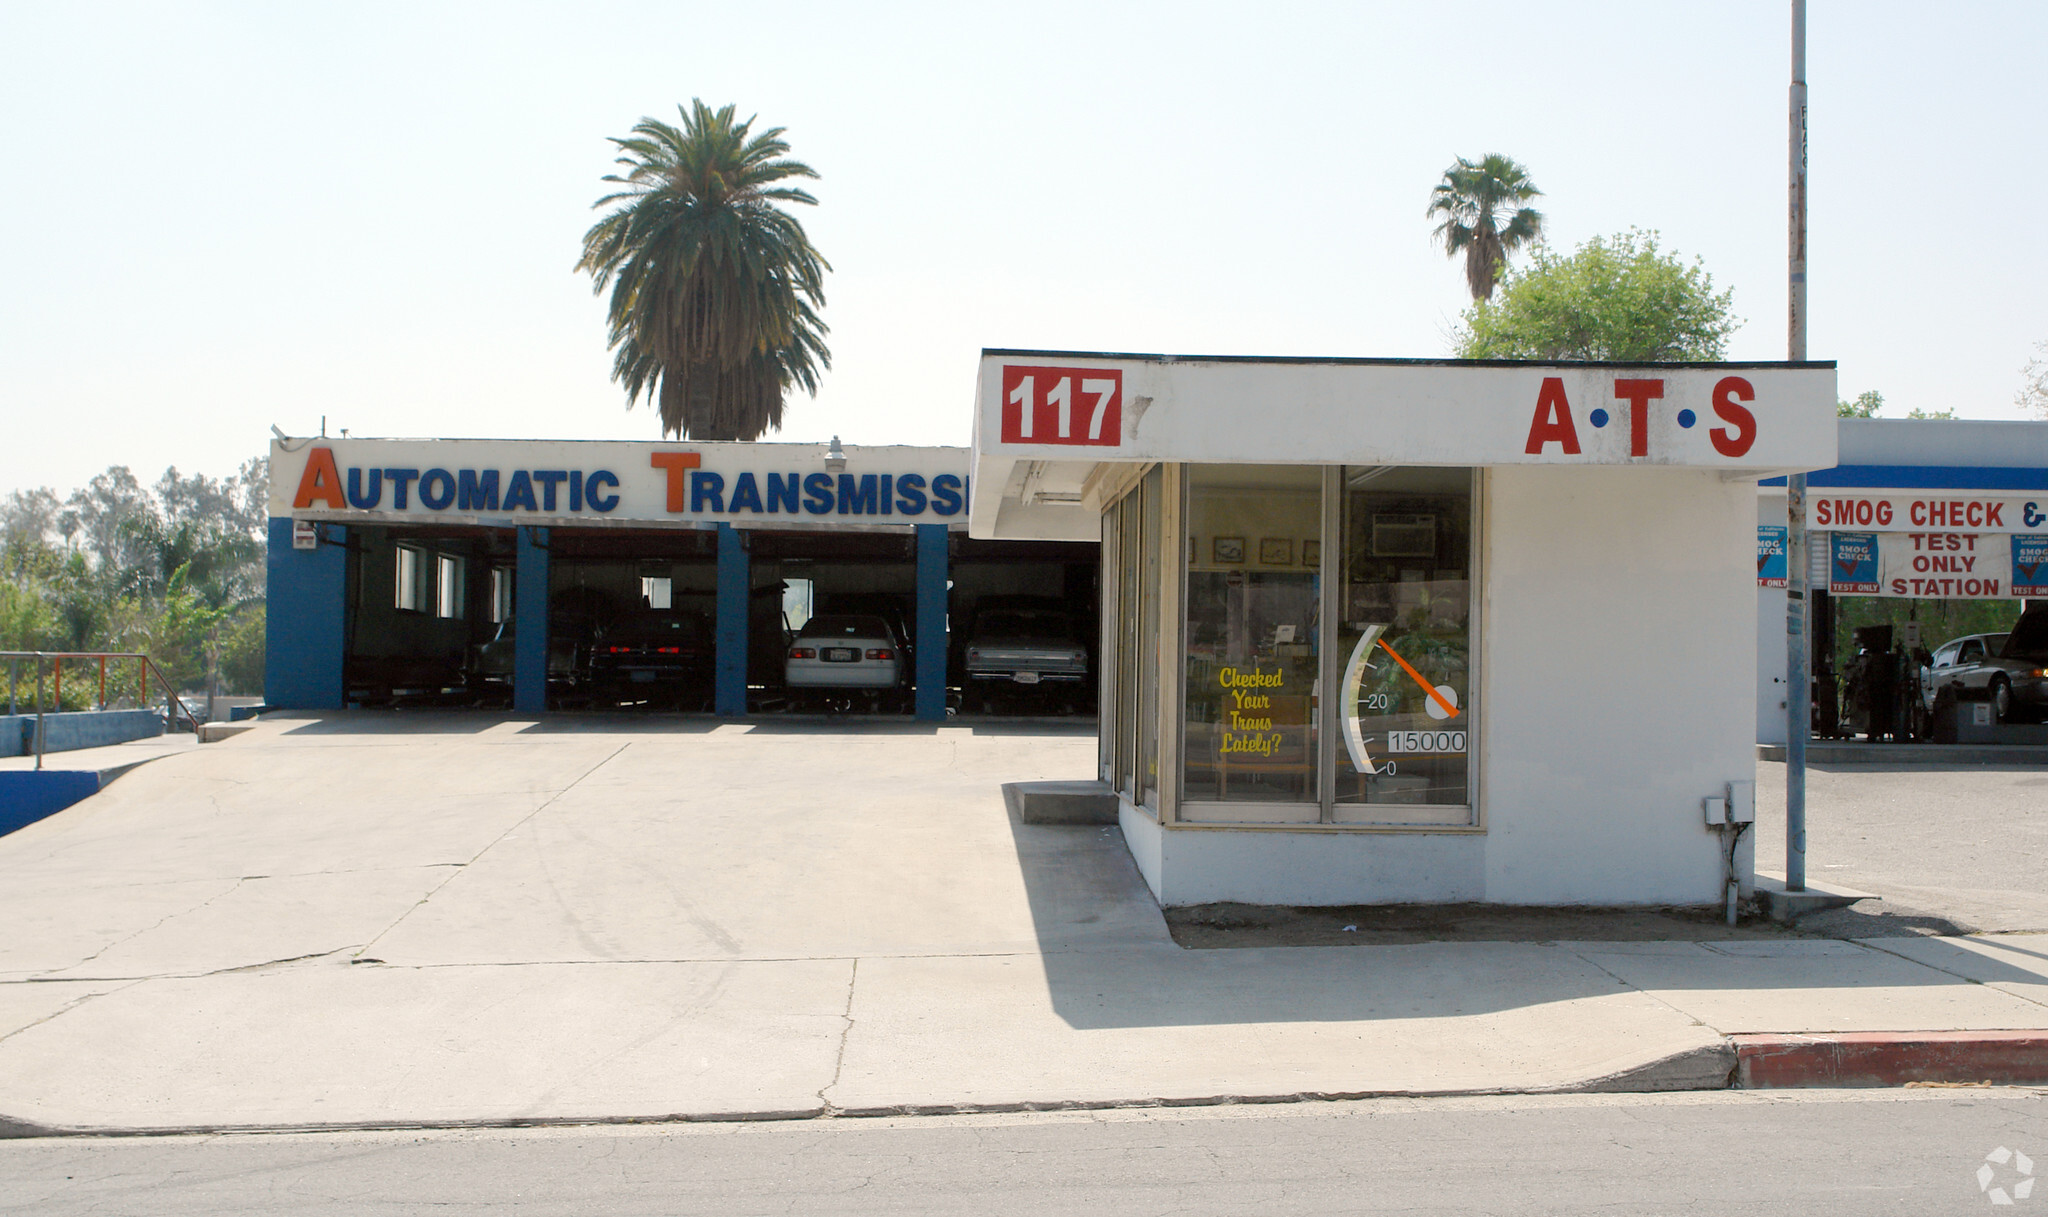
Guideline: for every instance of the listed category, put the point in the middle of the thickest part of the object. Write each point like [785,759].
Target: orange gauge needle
[1450,711]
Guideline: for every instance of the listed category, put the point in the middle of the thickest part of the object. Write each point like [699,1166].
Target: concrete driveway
[419,919]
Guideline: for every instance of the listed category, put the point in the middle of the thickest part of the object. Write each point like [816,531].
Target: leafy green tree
[2033,394]
[1866,405]
[714,287]
[1483,217]
[174,571]
[1617,298]
[242,652]
[1917,412]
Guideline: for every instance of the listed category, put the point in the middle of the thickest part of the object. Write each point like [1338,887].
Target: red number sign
[1063,406]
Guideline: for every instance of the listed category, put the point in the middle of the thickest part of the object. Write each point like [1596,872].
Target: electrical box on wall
[1717,811]
[1742,802]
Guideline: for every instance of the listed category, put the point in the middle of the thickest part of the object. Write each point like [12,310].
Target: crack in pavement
[165,920]
[845,1033]
[69,1006]
[1872,945]
[514,827]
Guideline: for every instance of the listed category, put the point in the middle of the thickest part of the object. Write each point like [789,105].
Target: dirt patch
[1211,926]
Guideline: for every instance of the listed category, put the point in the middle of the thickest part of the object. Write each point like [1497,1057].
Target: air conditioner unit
[1403,536]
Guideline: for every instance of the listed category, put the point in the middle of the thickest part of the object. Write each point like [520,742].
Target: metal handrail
[175,706]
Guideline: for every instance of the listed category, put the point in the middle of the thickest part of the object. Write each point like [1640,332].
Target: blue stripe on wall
[530,612]
[931,622]
[1924,477]
[735,580]
[306,607]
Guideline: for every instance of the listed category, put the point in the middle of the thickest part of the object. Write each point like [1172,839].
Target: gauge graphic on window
[1441,703]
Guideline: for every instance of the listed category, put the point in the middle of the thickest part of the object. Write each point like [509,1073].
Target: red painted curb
[1890,1058]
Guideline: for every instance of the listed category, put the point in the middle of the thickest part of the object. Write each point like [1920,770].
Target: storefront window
[1254,535]
[1150,550]
[1127,647]
[1404,712]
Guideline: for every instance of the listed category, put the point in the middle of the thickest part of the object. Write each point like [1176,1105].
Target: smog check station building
[1388,631]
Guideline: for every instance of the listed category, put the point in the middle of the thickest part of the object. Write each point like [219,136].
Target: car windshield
[1994,644]
[1026,625]
[845,627]
[2029,638]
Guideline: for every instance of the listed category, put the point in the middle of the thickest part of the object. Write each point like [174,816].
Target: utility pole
[1798,671]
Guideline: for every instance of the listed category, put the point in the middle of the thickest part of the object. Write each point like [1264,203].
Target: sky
[221,217]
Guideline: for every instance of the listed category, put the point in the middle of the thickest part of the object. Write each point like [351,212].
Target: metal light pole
[1798,675]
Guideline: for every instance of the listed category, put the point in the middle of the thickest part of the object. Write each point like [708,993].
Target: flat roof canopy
[1052,429]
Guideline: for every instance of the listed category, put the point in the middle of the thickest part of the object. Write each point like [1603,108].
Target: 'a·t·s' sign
[1063,406]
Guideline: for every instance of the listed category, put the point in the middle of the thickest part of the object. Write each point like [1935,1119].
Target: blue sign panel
[2029,565]
[1852,566]
[1770,555]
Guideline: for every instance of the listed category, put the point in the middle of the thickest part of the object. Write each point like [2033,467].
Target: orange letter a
[1553,420]
[320,481]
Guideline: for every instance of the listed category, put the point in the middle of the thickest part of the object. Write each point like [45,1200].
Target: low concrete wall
[78,729]
[28,795]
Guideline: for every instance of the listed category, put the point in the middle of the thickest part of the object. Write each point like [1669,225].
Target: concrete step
[1061,802]
[1785,905]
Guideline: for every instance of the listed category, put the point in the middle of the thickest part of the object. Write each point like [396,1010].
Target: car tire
[2001,700]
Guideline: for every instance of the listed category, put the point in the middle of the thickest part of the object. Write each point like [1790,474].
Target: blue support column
[304,616]
[530,615]
[931,623]
[735,601]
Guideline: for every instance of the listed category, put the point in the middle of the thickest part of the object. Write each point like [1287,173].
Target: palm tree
[715,289]
[1472,198]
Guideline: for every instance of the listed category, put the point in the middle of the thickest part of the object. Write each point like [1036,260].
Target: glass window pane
[409,574]
[1405,718]
[1106,657]
[1148,632]
[1251,617]
[1127,643]
[448,589]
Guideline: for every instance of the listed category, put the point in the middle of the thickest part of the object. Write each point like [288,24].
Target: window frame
[1453,819]
[409,578]
[451,587]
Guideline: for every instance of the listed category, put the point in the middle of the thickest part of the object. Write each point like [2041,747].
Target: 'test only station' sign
[1045,406]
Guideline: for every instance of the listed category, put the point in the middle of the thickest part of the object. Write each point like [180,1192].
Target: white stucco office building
[1381,631]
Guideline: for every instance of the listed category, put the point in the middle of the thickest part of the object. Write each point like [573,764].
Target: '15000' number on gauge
[1425,741]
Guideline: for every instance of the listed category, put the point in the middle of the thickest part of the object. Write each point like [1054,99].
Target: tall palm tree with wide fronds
[1483,217]
[715,289]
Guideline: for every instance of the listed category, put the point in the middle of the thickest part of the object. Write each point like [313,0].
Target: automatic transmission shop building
[405,568]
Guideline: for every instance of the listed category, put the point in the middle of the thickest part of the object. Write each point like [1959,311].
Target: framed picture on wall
[1226,550]
[1276,551]
[1311,553]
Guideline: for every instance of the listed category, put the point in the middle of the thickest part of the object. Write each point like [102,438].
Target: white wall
[1617,690]
[1619,680]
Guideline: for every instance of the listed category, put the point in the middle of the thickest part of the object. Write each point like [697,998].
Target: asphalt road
[1950,847]
[1810,1153]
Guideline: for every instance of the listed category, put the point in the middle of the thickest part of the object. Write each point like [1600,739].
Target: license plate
[1026,678]
[841,654]
[643,678]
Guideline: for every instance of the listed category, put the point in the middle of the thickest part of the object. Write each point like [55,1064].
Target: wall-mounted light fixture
[835,457]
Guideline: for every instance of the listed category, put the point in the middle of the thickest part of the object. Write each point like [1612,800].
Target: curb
[1890,1058]
[1738,1062]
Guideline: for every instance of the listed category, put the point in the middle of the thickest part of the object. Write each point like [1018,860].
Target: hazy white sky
[220,216]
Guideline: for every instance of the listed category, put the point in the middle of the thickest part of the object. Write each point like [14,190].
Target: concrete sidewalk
[446,919]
